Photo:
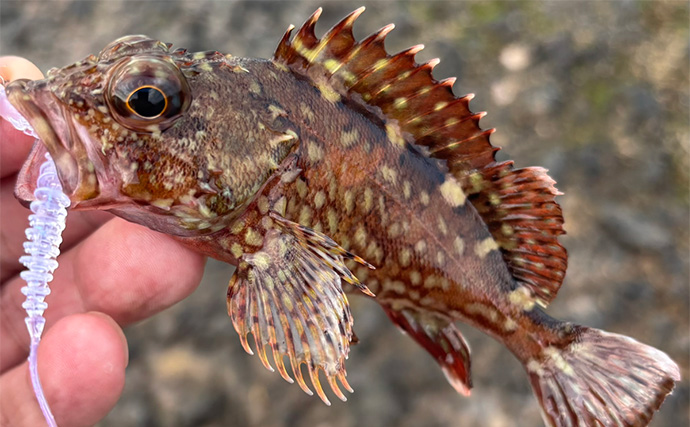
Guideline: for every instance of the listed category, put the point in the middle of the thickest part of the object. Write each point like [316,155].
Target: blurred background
[595,91]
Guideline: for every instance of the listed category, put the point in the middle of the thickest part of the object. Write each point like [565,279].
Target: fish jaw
[66,141]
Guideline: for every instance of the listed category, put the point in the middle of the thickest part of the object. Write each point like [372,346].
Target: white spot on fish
[405,257]
[452,192]
[319,199]
[459,245]
[522,298]
[557,358]
[483,248]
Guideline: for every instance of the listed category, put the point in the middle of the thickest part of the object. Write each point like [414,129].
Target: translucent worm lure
[42,248]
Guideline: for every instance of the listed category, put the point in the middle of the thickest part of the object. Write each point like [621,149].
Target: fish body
[337,165]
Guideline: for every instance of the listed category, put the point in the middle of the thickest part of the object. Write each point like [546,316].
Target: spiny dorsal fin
[526,220]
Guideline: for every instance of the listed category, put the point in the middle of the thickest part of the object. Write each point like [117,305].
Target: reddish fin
[601,379]
[442,340]
[519,208]
[396,89]
[289,296]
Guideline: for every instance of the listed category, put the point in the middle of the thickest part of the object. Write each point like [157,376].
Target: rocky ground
[597,92]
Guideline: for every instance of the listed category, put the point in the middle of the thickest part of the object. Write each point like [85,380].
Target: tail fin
[601,379]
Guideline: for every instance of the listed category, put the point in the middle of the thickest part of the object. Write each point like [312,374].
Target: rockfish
[335,166]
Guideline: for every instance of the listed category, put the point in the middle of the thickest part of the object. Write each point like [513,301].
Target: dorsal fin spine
[413,50]
[283,50]
[381,34]
[432,63]
[454,143]
[391,64]
[426,68]
[307,30]
[462,101]
[450,81]
[345,25]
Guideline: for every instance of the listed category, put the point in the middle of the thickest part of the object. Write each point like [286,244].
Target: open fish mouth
[59,137]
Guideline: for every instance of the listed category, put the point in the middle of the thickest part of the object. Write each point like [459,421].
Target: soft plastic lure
[42,248]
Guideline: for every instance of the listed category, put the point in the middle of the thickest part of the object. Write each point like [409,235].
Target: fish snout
[55,129]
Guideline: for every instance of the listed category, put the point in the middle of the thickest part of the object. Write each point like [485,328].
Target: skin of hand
[112,273]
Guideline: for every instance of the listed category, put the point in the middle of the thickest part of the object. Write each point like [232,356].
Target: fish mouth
[56,131]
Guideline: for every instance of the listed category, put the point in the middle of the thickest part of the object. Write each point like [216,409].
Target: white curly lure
[42,248]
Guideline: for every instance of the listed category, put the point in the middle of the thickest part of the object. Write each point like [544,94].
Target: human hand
[111,273]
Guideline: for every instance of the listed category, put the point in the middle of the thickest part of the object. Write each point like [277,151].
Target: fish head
[128,134]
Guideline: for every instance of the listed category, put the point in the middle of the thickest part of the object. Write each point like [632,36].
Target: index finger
[14,145]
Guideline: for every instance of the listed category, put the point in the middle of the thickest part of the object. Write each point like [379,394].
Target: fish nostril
[16,85]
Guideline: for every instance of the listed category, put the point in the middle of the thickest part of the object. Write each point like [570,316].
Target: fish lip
[57,133]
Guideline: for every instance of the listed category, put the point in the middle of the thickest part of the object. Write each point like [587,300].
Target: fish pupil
[147,102]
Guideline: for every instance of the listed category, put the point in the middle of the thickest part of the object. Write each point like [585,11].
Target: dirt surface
[597,92]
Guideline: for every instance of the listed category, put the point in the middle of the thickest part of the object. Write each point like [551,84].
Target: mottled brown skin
[343,191]
[259,162]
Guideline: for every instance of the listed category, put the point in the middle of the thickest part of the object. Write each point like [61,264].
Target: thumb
[81,363]
[13,155]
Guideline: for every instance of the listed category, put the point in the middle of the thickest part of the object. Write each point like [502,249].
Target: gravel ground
[597,92]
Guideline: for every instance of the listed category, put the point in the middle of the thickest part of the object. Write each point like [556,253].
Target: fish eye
[147,101]
[146,94]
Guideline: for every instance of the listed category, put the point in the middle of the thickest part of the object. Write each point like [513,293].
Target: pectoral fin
[289,296]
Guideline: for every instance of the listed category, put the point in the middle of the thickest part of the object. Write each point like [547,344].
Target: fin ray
[526,226]
[288,295]
[442,340]
[601,378]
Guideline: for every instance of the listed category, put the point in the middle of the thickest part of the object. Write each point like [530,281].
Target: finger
[16,67]
[15,220]
[14,148]
[81,364]
[14,145]
[123,269]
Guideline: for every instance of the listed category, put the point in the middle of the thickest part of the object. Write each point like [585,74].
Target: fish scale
[337,165]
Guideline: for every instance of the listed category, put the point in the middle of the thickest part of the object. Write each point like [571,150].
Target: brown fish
[335,161]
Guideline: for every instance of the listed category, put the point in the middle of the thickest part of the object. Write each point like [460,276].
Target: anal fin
[289,296]
[442,339]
